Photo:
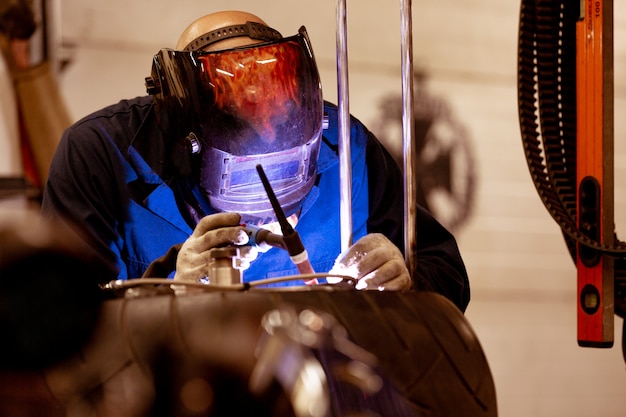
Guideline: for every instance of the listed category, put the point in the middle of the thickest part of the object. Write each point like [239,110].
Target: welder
[173,172]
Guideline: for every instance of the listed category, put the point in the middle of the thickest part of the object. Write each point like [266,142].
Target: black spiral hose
[547,116]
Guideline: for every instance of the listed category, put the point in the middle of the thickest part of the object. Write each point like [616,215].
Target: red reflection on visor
[258,85]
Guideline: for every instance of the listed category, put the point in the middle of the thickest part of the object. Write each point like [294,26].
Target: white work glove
[375,262]
[215,230]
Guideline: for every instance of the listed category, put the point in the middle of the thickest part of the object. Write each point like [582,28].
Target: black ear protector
[173,110]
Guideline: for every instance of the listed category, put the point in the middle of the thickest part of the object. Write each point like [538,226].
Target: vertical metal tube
[408,127]
[53,54]
[38,42]
[345,166]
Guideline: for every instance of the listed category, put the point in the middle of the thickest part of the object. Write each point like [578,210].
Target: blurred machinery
[311,351]
[32,100]
[445,171]
[565,97]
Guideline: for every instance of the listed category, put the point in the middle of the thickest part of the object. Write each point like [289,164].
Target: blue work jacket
[112,177]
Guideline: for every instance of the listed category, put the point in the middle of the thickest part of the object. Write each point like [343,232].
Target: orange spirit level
[594,166]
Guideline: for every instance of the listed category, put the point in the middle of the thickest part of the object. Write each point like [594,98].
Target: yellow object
[44,112]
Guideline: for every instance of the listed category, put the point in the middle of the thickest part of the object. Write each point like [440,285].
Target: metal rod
[345,166]
[408,127]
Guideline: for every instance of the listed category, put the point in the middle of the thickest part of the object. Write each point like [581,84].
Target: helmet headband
[252,30]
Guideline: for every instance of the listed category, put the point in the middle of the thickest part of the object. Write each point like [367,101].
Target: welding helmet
[225,112]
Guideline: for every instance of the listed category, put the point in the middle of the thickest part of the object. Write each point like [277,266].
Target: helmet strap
[252,30]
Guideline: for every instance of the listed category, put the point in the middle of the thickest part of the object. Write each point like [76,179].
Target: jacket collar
[161,201]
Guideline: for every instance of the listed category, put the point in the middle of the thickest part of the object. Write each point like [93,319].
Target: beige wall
[523,280]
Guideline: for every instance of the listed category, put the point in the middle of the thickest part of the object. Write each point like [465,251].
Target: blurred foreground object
[269,352]
[49,296]
[49,304]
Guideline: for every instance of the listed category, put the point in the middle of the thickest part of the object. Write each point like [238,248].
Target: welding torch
[291,239]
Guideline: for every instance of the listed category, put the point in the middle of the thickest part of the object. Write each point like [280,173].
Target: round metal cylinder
[223,266]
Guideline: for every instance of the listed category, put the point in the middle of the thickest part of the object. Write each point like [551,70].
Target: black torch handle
[292,240]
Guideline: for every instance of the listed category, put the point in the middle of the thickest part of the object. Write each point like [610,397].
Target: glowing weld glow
[341,269]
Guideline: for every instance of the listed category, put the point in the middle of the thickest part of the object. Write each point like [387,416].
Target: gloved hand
[376,263]
[215,230]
